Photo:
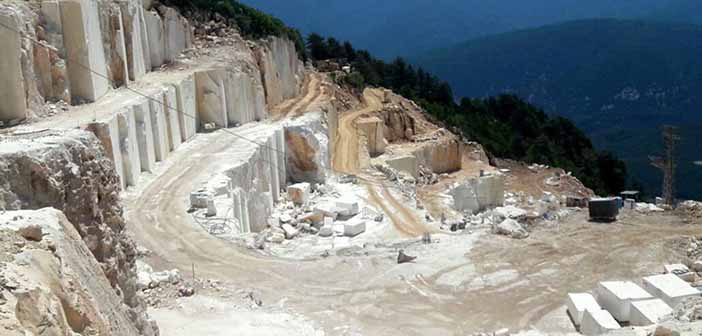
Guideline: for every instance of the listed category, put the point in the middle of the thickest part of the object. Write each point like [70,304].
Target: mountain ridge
[617,79]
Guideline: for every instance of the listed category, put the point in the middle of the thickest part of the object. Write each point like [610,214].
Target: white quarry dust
[204,315]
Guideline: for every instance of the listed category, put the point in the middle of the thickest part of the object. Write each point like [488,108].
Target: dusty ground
[468,282]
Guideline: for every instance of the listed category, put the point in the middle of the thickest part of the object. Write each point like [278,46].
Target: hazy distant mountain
[684,11]
[619,80]
[390,28]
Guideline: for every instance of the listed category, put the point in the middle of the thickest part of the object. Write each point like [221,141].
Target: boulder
[512,228]
[299,193]
[326,231]
[290,231]
[327,209]
[403,258]
[347,207]
[307,149]
[354,229]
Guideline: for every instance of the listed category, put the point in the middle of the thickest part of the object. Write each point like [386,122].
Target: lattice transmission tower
[668,163]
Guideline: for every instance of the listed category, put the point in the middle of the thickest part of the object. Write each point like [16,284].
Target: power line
[170,108]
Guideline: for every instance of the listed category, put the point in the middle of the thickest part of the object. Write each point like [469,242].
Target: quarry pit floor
[460,283]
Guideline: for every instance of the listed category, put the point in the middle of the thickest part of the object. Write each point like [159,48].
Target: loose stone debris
[241,144]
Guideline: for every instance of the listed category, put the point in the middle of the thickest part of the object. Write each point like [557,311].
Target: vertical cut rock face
[441,156]
[134,40]
[177,34]
[69,171]
[76,50]
[83,41]
[187,107]
[281,69]
[211,97]
[12,96]
[60,288]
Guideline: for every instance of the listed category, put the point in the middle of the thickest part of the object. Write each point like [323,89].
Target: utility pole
[668,163]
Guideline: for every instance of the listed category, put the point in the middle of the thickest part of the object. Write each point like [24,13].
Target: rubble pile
[315,210]
[690,310]
[158,288]
[692,246]
[692,209]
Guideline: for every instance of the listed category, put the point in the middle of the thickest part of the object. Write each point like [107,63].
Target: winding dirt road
[460,284]
[345,157]
[346,160]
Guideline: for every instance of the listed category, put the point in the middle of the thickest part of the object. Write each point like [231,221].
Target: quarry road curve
[346,159]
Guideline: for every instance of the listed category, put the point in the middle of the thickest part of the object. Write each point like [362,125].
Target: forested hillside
[618,80]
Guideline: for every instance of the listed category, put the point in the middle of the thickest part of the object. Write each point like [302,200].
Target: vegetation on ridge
[252,23]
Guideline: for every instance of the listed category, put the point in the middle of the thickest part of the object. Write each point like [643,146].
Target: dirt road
[459,284]
[312,91]
[345,157]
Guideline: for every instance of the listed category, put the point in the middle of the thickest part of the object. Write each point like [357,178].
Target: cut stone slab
[670,288]
[406,164]
[145,135]
[159,123]
[187,107]
[129,146]
[598,322]
[479,194]
[211,98]
[681,271]
[173,120]
[177,33]
[12,94]
[198,199]
[155,33]
[108,133]
[327,209]
[83,43]
[578,303]
[648,312]
[290,231]
[617,296]
[211,208]
[137,55]
[354,229]
[299,193]
[374,129]
[347,208]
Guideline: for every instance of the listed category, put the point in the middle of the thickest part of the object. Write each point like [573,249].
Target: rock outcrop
[69,171]
[51,284]
[281,69]
[307,148]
